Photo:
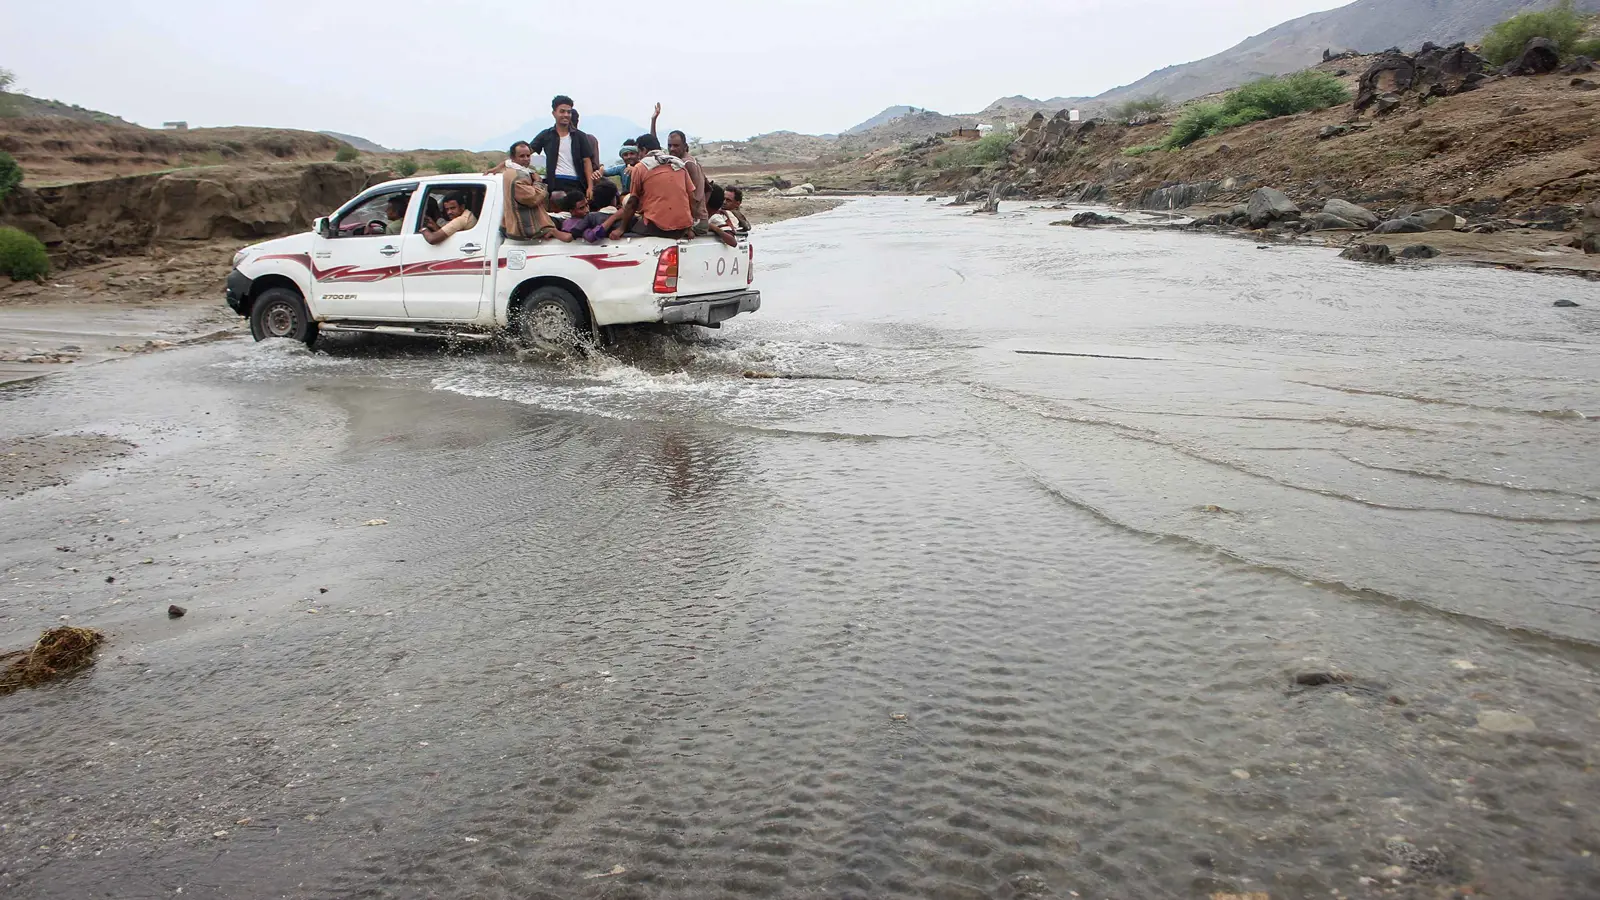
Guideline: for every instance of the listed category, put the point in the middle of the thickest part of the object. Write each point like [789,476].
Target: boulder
[1420,251]
[1269,205]
[1391,74]
[1385,104]
[1094,193]
[1564,303]
[1351,213]
[1404,225]
[1089,219]
[1584,84]
[1327,222]
[1591,228]
[1439,220]
[1579,66]
[1378,254]
[1541,57]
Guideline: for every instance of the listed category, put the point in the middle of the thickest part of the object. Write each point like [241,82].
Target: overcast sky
[401,72]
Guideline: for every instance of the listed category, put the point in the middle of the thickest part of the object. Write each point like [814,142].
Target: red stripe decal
[603,261]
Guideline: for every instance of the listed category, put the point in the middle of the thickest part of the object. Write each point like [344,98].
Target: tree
[10,174]
[8,106]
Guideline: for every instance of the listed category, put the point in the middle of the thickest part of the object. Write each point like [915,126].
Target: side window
[378,215]
[446,201]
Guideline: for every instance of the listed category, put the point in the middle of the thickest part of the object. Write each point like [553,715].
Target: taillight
[750,270]
[667,271]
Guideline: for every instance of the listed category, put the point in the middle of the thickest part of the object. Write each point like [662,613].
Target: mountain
[611,130]
[1366,25]
[360,143]
[883,118]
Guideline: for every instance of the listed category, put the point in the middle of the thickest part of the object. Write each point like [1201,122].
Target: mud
[924,616]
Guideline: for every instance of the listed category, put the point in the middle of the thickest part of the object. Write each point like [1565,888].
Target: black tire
[552,320]
[280,313]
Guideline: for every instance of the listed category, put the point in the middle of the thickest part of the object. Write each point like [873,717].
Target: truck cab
[368,268]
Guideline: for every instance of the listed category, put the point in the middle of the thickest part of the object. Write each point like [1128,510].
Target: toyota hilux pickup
[359,270]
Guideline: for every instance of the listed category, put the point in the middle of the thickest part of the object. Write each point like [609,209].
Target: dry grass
[58,652]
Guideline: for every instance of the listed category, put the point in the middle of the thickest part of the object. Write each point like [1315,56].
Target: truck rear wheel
[552,320]
[280,313]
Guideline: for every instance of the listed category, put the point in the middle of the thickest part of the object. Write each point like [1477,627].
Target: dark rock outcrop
[1178,195]
[1420,251]
[1580,65]
[1432,72]
[1591,228]
[1377,254]
[1090,219]
[1541,57]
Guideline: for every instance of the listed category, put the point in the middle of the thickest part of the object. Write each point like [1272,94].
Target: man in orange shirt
[662,202]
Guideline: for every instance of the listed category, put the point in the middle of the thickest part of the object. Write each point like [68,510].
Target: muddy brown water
[930,616]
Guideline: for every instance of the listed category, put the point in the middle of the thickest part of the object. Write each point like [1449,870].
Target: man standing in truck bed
[569,155]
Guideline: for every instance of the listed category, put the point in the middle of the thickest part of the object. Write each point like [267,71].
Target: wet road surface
[1001,589]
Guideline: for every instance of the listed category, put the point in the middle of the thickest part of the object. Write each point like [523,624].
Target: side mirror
[321,227]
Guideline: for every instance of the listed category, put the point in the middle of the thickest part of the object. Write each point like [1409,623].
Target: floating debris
[176,612]
[59,652]
[373,523]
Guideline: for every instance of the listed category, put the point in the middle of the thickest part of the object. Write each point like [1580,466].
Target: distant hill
[32,107]
[360,143]
[883,118]
[1366,25]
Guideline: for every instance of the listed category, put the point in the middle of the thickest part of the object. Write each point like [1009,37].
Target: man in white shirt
[570,158]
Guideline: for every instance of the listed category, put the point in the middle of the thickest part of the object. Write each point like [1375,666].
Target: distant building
[175,126]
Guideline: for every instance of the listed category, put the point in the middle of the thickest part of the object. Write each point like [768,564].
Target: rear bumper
[710,309]
[239,292]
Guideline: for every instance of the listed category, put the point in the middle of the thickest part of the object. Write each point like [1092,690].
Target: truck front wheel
[280,313]
[552,320]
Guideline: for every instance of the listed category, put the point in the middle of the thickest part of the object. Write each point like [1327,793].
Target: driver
[458,217]
[396,213]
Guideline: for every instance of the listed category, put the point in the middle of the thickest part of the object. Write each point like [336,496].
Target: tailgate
[708,266]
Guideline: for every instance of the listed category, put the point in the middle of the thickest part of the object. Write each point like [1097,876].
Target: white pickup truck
[358,270]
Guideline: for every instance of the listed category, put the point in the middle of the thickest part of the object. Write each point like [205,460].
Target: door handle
[390,250]
[471,248]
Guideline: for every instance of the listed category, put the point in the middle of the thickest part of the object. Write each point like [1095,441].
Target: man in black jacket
[569,155]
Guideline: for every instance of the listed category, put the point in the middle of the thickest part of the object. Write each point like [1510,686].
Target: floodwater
[1000,589]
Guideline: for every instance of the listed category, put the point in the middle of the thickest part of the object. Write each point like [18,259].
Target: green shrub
[1194,123]
[346,154]
[1506,41]
[1140,150]
[10,173]
[8,105]
[1267,98]
[1132,109]
[405,167]
[992,147]
[22,256]
[1589,48]
[451,166]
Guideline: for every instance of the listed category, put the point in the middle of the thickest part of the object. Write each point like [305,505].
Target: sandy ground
[114,309]
[766,210]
